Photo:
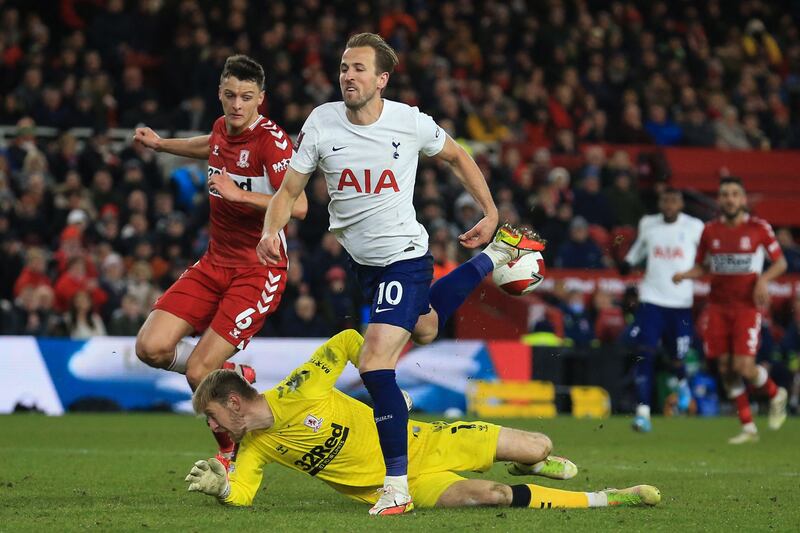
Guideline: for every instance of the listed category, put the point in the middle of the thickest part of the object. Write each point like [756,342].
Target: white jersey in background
[668,249]
[370,171]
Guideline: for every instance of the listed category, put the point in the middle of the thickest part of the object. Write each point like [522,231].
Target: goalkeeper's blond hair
[218,386]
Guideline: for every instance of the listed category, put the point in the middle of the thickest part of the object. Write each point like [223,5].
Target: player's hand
[209,477]
[147,137]
[677,278]
[269,249]
[761,293]
[225,186]
[480,234]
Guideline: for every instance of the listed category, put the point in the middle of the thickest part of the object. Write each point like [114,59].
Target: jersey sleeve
[277,148]
[306,155]
[246,475]
[316,377]
[769,242]
[638,251]
[430,136]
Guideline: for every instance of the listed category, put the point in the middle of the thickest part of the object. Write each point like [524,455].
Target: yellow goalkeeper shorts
[436,452]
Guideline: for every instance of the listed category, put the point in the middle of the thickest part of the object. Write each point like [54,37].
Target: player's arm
[317,377]
[778,266]
[697,271]
[237,488]
[226,188]
[473,181]
[194,147]
[637,252]
[279,211]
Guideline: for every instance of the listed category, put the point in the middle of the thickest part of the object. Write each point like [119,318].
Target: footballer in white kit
[667,242]
[368,149]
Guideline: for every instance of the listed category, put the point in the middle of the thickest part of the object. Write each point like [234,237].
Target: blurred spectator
[730,134]
[577,324]
[661,128]
[790,249]
[697,130]
[579,251]
[609,320]
[75,279]
[127,319]
[34,274]
[630,129]
[592,204]
[31,314]
[337,303]
[623,201]
[304,320]
[81,321]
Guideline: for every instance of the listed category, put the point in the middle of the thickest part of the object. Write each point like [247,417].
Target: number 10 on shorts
[392,292]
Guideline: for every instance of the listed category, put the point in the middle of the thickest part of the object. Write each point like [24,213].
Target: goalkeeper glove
[209,477]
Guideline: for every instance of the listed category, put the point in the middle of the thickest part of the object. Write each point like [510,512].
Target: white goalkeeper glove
[209,477]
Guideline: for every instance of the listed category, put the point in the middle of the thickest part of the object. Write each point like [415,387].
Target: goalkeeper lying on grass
[306,424]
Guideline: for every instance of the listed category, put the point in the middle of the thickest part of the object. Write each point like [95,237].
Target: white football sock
[643,410]
[183,350]
[597,499]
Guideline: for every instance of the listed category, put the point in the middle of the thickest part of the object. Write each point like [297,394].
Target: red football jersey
[256,160]
[735,257]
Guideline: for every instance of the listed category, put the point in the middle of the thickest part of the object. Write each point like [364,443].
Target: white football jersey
[370,171]
[668,249]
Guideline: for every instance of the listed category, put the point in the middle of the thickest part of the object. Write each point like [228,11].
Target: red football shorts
[733,330]
[233,301]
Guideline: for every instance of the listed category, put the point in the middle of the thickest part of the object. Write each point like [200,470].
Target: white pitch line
[699,470]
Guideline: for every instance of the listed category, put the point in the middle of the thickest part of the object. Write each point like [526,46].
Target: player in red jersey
[732,249]
[228,293]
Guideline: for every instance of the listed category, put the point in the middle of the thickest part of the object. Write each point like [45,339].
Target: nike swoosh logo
[337,149]
[379,310]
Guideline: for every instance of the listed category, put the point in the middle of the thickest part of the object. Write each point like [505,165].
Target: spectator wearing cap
[559,178]
[467,212]
[577,322]
[579,251]
[113,283]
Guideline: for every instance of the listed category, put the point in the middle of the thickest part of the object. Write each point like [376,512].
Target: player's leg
[160,343]
[528,454]
[748,328]
[449,292]
[482,492]
[251,295]
[646,334]
[680,335]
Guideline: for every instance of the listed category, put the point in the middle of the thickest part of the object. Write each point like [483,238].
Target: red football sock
[743,408]
[770,388]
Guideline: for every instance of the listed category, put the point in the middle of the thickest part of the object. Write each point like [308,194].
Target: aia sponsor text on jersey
[668,252]
[362,181]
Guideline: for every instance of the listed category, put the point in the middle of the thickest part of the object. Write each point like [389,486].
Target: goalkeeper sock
[182,352]
[449,292]
[538,497]
[391,418]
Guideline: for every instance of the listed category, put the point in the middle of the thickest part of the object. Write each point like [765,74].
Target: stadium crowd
[92,233]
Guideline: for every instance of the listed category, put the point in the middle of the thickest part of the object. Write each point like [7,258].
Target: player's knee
[497,494]
[153,352]
[543,445]
[424,336]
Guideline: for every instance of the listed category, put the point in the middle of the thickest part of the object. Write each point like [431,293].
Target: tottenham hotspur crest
[243,156]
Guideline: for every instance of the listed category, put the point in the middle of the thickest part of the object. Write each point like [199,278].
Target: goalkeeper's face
[226,418]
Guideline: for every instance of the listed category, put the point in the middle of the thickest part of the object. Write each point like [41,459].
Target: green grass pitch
[125,472]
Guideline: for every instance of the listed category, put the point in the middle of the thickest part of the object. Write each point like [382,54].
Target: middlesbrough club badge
[244,155]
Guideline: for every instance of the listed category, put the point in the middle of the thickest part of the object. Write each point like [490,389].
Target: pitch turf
[125,473]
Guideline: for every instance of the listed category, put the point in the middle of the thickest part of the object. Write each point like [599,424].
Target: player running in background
[227,295]
[306,424]
[668,242]
[732,249]
[368,148]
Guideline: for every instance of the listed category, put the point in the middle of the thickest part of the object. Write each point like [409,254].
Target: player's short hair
[218,386]
[385,56]
[243,68]
[731,179]
[672,190]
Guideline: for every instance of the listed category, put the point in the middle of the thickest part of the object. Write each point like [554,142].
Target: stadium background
[578,113]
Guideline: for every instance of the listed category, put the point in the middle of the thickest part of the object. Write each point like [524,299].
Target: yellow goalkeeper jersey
[318,429]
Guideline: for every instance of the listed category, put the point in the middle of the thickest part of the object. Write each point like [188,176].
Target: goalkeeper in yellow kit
[304,423]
